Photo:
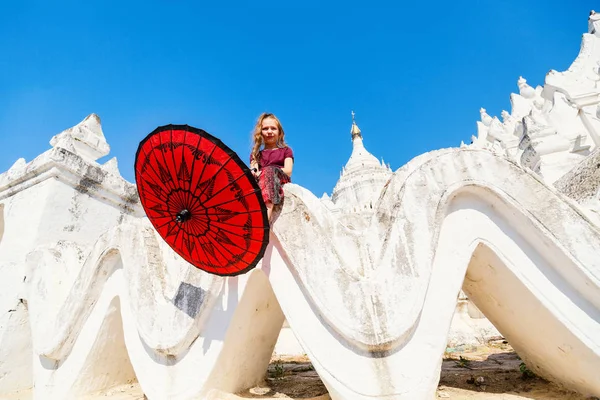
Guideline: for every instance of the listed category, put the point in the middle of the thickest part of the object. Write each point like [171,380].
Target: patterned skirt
[271,181]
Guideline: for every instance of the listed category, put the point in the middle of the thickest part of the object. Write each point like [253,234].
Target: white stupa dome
[362,178]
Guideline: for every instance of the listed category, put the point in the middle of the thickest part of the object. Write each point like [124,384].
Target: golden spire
[355,131]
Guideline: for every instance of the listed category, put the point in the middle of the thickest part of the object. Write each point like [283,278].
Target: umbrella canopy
[202,199]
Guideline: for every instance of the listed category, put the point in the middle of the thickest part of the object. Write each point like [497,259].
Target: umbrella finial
[183,215]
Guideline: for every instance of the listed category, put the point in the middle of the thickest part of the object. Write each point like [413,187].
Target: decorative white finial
[524,89]
[485,118]
[594,23]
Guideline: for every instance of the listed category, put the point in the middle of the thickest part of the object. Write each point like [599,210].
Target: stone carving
[560,119]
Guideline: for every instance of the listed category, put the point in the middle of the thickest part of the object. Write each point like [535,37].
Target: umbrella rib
[233,225]
[232,254]
[202,240]
[178,203]
[159,182]
[212,222]
[197,196]
[235,245]
[162,226]
[206,253]
[183,153]
[151,166]
[146,157]
[168,222]
[237,234]
[166,164]
[234,212]
[173,155]
[199,256]
[235,198]
[197,226]
[226,186]
[177,234]
[151,194]
[181,205]
[216,242]
[192,228]
[215,174]
[202,256]
[243,249]
[204,164]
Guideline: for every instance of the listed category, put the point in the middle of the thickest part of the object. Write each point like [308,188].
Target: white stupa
[361,181]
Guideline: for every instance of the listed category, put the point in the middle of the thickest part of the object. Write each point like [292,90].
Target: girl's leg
[269,210]
[270,181]
[266,182]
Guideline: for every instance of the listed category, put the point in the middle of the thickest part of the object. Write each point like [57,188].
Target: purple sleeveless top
[275,157]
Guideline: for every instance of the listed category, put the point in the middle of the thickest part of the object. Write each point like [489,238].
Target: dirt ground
[479,372]
[492,372]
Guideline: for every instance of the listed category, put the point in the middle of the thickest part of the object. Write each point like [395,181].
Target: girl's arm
[288,165]
[254,165]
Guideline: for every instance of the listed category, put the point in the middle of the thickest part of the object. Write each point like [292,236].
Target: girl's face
[270,132]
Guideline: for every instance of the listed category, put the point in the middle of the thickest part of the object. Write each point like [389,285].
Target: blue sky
[415,74]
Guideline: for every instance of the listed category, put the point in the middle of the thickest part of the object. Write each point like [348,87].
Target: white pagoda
[361,180]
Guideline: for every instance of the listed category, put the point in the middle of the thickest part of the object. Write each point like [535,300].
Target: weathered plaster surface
[391,300]
[182,331]
[582,182]
[57,196]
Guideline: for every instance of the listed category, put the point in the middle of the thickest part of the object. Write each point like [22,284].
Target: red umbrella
[202,199]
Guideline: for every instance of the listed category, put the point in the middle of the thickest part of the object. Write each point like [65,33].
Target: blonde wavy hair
[257,135]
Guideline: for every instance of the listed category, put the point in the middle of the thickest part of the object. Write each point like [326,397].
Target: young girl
[272,165]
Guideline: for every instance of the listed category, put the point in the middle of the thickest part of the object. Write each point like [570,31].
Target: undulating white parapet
[372,307]
[134,311]
[354,196]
